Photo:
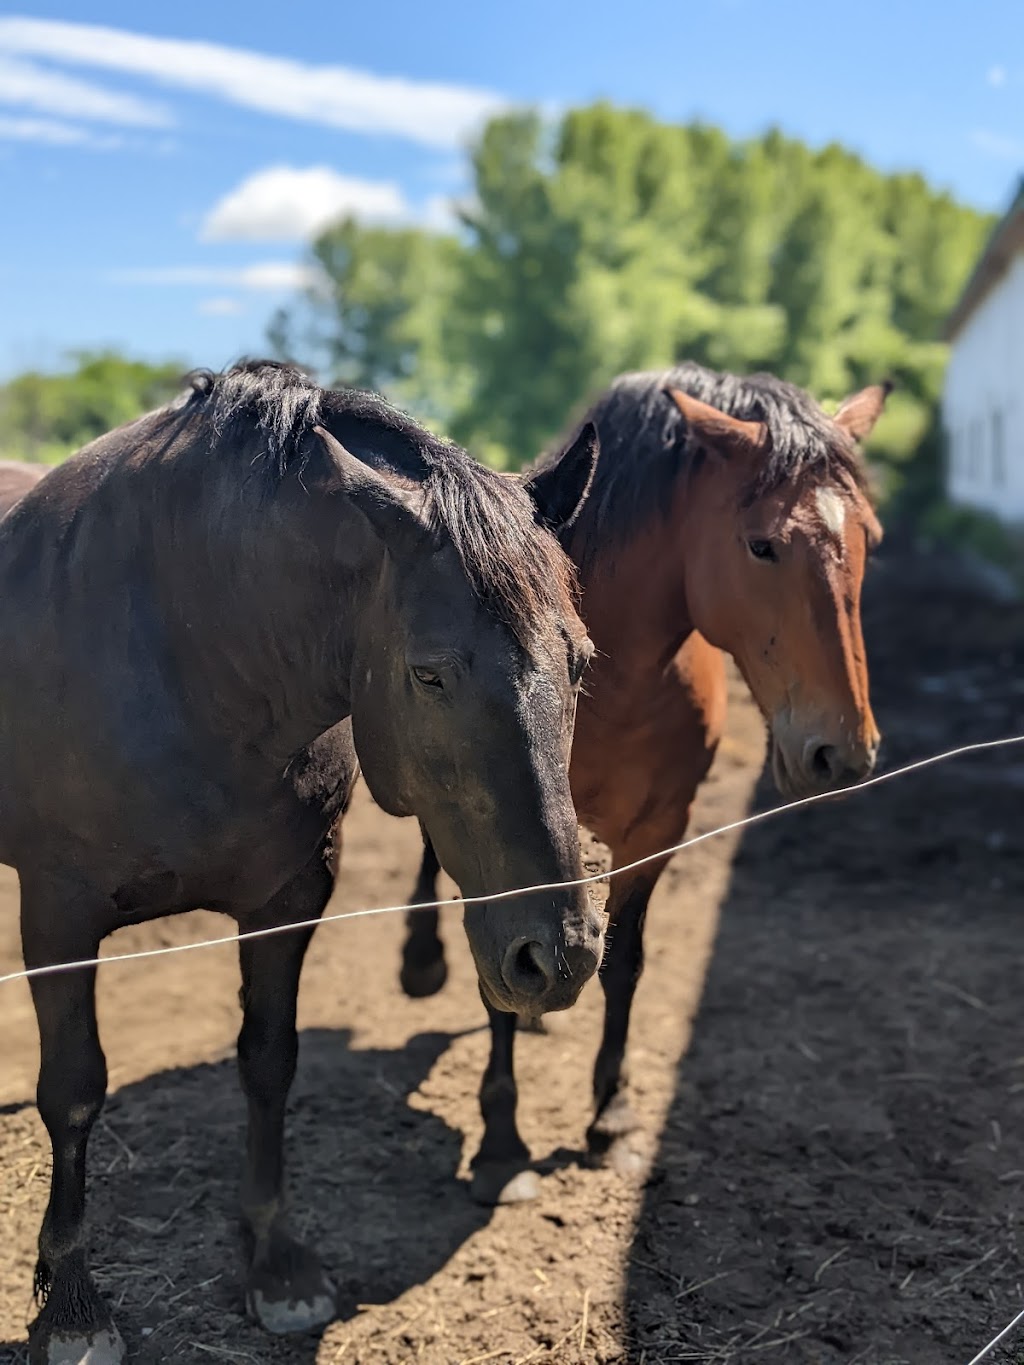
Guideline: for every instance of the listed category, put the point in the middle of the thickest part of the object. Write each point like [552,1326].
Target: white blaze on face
[832,509]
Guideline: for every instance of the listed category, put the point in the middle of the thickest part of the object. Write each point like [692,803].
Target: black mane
[515,567]
[646,444]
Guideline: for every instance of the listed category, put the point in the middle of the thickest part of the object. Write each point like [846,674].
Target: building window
[998,451]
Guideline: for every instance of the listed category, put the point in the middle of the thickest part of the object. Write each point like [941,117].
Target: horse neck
[634,592]
[265,614]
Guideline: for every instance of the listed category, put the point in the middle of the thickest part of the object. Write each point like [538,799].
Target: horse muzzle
[538,970]
[810,766]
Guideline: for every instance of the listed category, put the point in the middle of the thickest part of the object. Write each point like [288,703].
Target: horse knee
[69,1099]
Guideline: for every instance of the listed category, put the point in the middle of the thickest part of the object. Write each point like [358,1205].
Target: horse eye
[762,549]
[427,677]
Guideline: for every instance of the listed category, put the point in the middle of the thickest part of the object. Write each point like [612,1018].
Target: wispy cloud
[289,203]
[220,307]
[29,86]
[996,76]
[266,276]
[340,97]
[55,133]
[996,144]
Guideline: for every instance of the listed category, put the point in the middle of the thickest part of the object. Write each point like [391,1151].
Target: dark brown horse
[743,527]
[189,611]
[16,479]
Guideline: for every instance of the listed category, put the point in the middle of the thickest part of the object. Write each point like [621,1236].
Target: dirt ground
[827,1050]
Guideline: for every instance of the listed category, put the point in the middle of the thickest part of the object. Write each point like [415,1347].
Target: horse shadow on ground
[841,1174]
[372,1186]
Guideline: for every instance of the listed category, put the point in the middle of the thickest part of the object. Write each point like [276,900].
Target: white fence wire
[921,763]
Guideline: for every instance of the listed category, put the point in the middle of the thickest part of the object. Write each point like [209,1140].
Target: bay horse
[197,614]
[727,516]
[16,478]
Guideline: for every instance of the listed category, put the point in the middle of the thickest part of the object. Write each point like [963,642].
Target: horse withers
[726,515]
[196,613]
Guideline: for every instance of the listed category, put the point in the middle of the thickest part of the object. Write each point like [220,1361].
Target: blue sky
[162,167]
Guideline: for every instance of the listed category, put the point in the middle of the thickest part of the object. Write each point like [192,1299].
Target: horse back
[16,478]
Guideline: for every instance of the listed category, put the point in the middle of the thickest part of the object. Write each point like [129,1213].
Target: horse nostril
[529,969]
[825,763]
[833,767]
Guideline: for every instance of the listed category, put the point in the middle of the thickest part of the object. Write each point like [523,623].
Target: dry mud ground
[828,1051]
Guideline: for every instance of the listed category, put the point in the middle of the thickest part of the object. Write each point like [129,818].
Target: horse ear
[717,430]
[560,489]
[381,502]
[859,413]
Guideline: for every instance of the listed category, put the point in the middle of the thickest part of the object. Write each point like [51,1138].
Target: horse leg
[286,1287]
[614,1120]
[424,970]
[501,1168]
[74,1325]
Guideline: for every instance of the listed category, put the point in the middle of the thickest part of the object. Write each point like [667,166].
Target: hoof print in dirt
[504,1184]
[102,1347]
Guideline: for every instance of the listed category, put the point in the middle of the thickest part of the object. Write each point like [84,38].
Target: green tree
[47,416]
[378,316]
[612,241]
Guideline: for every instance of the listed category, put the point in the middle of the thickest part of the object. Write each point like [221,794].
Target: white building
[983,395]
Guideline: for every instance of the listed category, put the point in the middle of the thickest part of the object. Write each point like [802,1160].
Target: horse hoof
[282,1317]
[623,1150]
[421,979]
[103,1347]
[504,1183]
[627,1158]
[290,1292]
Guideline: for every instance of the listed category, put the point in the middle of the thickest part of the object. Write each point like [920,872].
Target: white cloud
[996,144]
[286,203]
[340,97]
[277,275]
[29,86]
[220,307]
[996,76]
[53,132]
[270,276]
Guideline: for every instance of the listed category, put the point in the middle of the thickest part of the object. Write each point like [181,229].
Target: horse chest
[235,865]
[271,825]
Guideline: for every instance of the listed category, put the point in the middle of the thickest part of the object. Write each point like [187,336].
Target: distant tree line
[45,416]
[606,242]
[612,241]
